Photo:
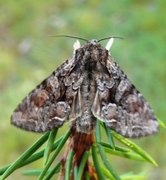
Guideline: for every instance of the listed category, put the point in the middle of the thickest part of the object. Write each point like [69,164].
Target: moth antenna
[76,45]
[73,37]
[118,37]
[109,44]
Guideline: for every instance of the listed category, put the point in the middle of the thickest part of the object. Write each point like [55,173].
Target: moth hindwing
[87,87]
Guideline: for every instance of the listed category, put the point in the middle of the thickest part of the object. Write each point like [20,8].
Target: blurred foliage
[28,55]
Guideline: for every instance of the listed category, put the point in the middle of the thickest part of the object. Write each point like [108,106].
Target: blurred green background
[28,55]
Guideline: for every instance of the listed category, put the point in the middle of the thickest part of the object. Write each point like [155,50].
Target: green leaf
[75,172]
[82,165]
[117,148]
[60,145]
[107,164]
[87,176]
[49,145]
[134,147]
[69,164]
[25,156]
[32,172]
[109,135]
[4,168]
[129,154]
[107,173]
[54,170]
[161,123]
[32,158]
[102,153]
[131,176]
[96,163]
[36,172]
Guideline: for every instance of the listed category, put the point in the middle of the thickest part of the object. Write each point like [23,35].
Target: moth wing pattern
[121,106]
[49,105]
[88,86]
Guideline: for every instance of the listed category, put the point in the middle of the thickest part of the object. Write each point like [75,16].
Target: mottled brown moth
[87,87]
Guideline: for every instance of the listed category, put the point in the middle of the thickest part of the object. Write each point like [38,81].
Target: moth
[87,87]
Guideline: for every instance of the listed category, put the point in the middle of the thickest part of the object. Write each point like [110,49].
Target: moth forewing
[88,86]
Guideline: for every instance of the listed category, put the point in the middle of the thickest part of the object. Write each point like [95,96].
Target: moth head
[93,42]
[93,50]
[91,53]
[89,48]
[108,45]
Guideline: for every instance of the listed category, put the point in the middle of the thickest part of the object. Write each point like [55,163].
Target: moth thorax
[95,55]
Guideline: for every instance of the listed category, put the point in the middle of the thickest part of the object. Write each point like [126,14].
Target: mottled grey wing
[51,103]
[120,105]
